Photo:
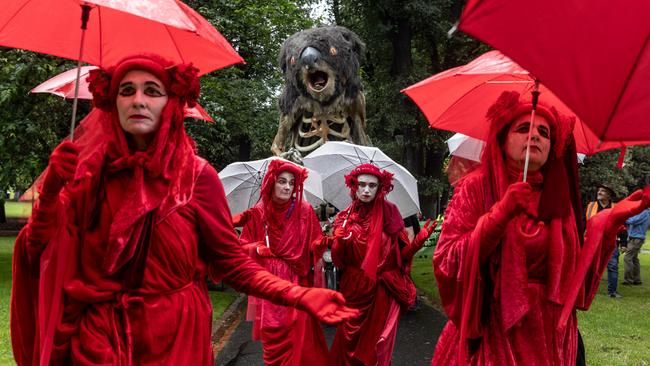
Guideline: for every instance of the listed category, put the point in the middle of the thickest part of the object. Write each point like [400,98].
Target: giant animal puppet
[323,97]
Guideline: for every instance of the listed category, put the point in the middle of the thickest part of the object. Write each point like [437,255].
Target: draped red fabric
[289,336]
[502,283]
[112,270]
[369,338]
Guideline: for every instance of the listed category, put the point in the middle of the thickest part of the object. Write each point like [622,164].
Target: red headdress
[275,168]
[560,174]
[158,179]
[385,215]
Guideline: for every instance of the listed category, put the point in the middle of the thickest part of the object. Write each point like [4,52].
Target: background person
[637,226]
[289,336]
[372,248]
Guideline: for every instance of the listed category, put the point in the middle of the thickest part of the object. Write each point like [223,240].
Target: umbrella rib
[101,41]
[175,45]
[608,123]
[14,15]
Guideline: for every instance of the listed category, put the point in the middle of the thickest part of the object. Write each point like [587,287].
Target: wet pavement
[417,334]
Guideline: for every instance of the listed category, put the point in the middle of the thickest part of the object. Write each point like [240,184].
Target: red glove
[241,218]
[264,251]
[327,305]
[425,231]
[409,251]
[628,207]
[515,201]
[63,164]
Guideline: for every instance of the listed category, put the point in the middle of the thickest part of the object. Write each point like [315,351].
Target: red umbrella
[115,29]
[63,85]
[593,54]
[454,100]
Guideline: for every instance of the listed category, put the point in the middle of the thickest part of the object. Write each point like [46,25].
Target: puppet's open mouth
[317,80]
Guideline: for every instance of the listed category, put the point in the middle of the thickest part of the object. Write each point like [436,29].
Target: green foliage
[6,250]
[30,124]
[601,168]
[243,98]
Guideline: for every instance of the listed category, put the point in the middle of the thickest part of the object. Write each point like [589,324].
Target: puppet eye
[293,60]
[333,51]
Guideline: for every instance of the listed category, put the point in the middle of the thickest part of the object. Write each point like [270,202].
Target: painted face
[517,140]
[283,188]
[368,186]
[141,98]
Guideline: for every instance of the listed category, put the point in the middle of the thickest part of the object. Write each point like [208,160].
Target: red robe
[369,338]
[66,303]
[506,292]
[289,336]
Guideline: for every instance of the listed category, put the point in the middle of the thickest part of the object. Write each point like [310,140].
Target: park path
[417,335]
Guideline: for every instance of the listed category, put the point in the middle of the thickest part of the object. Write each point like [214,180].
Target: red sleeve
[456,258]
[225,257]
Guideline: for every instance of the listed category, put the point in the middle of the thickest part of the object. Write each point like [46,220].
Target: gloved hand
[628,207]
[62,167]
[409,250]
[241,218]
[258,249]
[327,305]
[515,201]
[425,231]
[264,251]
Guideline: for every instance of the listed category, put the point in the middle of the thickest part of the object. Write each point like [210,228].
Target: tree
[30,124]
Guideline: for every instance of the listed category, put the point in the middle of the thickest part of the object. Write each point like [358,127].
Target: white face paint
[141,98]
[283,188]
[367,188]
[517,141]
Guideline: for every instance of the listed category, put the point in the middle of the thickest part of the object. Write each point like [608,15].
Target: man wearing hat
[604,197]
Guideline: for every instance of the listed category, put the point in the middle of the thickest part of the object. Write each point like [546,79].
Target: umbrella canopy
[242,182]
[335,159]
[115,29]
[63,85]
[594,55]
[457,99]
[465,147]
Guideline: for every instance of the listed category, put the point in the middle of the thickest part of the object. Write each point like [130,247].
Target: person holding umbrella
[278,232]
[111,267]
[512,265]
[373,251]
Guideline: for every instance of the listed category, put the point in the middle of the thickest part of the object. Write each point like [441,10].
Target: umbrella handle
[85,14]
[522,231]
[535,94]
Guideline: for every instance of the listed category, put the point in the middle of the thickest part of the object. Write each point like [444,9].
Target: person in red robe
[110,269]
[371,247]
[278,233]
[511,263]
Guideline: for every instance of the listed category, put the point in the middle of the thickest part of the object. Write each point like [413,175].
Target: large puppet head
[320,64]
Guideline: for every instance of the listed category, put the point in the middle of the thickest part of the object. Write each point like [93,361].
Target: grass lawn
[220,300]
[18,209]
[616,332]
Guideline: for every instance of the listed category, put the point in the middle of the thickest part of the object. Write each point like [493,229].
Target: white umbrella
[334,159]
[242,182]
[471,148]
[465,147]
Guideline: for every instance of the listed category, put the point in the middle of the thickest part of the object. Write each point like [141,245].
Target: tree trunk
[245,148]
[402,55]
[3,214]
[336,11]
